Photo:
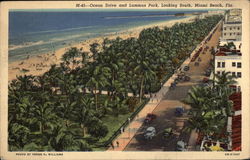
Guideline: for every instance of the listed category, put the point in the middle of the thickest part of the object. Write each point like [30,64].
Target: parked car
[186,68]
[181,146]
[179,110]
[149,133]
[205,80]
[150,117]
[167,132]
[186,78]
[208,72]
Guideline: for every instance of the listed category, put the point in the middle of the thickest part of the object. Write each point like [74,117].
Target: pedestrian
[117,143]
[112,145]
[121,129]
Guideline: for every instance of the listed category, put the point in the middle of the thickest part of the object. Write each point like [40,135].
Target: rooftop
[227,52]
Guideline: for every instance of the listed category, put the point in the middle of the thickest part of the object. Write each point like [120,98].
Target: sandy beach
[38,64]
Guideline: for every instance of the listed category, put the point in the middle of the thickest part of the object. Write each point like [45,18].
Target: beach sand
[39,64]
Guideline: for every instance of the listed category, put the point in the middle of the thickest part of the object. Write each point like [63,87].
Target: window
[223,65]
[238,33]
[225,28]
[239,74]
[239,65]
[218,72]
[233,74]
[238,28]
[225,34]
[233,64]
[218,64]
[230,28]
[230,34]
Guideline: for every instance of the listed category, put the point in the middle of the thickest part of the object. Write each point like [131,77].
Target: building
[210,13]
[229,60]
[235,123]
[232,26]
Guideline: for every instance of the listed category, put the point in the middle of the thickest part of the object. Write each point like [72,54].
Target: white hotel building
[229,61]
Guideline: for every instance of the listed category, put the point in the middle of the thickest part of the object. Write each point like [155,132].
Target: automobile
[150,117]
[196,63]
[149,133]
[179,110]
[186,78]
[186,68]
[205,80]
[181,146]
[167,132]
[208,72]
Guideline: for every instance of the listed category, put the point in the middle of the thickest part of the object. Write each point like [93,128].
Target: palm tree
[65,111]
[84,113]
[224,79]
[98,80]
[44,116]
[70,57]
[18,136]
[94,50]
[25,82]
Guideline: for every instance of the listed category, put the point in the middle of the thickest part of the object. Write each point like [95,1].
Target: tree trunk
[141,88]
[41,127]
[95,99]
[83,130]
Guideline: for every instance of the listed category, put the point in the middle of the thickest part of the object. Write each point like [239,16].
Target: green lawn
[114,123]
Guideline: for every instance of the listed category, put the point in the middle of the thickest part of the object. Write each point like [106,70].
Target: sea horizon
[35,33]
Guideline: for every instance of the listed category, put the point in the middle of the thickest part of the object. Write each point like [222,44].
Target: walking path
[124,138]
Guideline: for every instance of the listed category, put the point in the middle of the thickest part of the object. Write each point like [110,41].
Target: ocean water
[36,32]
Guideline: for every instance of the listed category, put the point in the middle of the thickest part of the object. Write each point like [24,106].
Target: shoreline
[40,63]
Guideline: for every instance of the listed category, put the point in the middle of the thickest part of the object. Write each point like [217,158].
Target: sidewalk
[192,141]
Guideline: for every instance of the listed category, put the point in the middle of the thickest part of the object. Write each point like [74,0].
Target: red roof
[222,52]
[227,50]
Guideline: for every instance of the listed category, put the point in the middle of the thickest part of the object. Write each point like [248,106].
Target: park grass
[114,123]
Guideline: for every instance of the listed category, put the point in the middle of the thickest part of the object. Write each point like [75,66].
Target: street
[166,108]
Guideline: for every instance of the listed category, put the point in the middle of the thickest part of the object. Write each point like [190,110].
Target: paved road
[165,111]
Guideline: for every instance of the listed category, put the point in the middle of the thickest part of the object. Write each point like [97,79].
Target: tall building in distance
[232,26]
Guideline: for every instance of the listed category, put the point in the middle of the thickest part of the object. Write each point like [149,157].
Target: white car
[181,146]
[149,133]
